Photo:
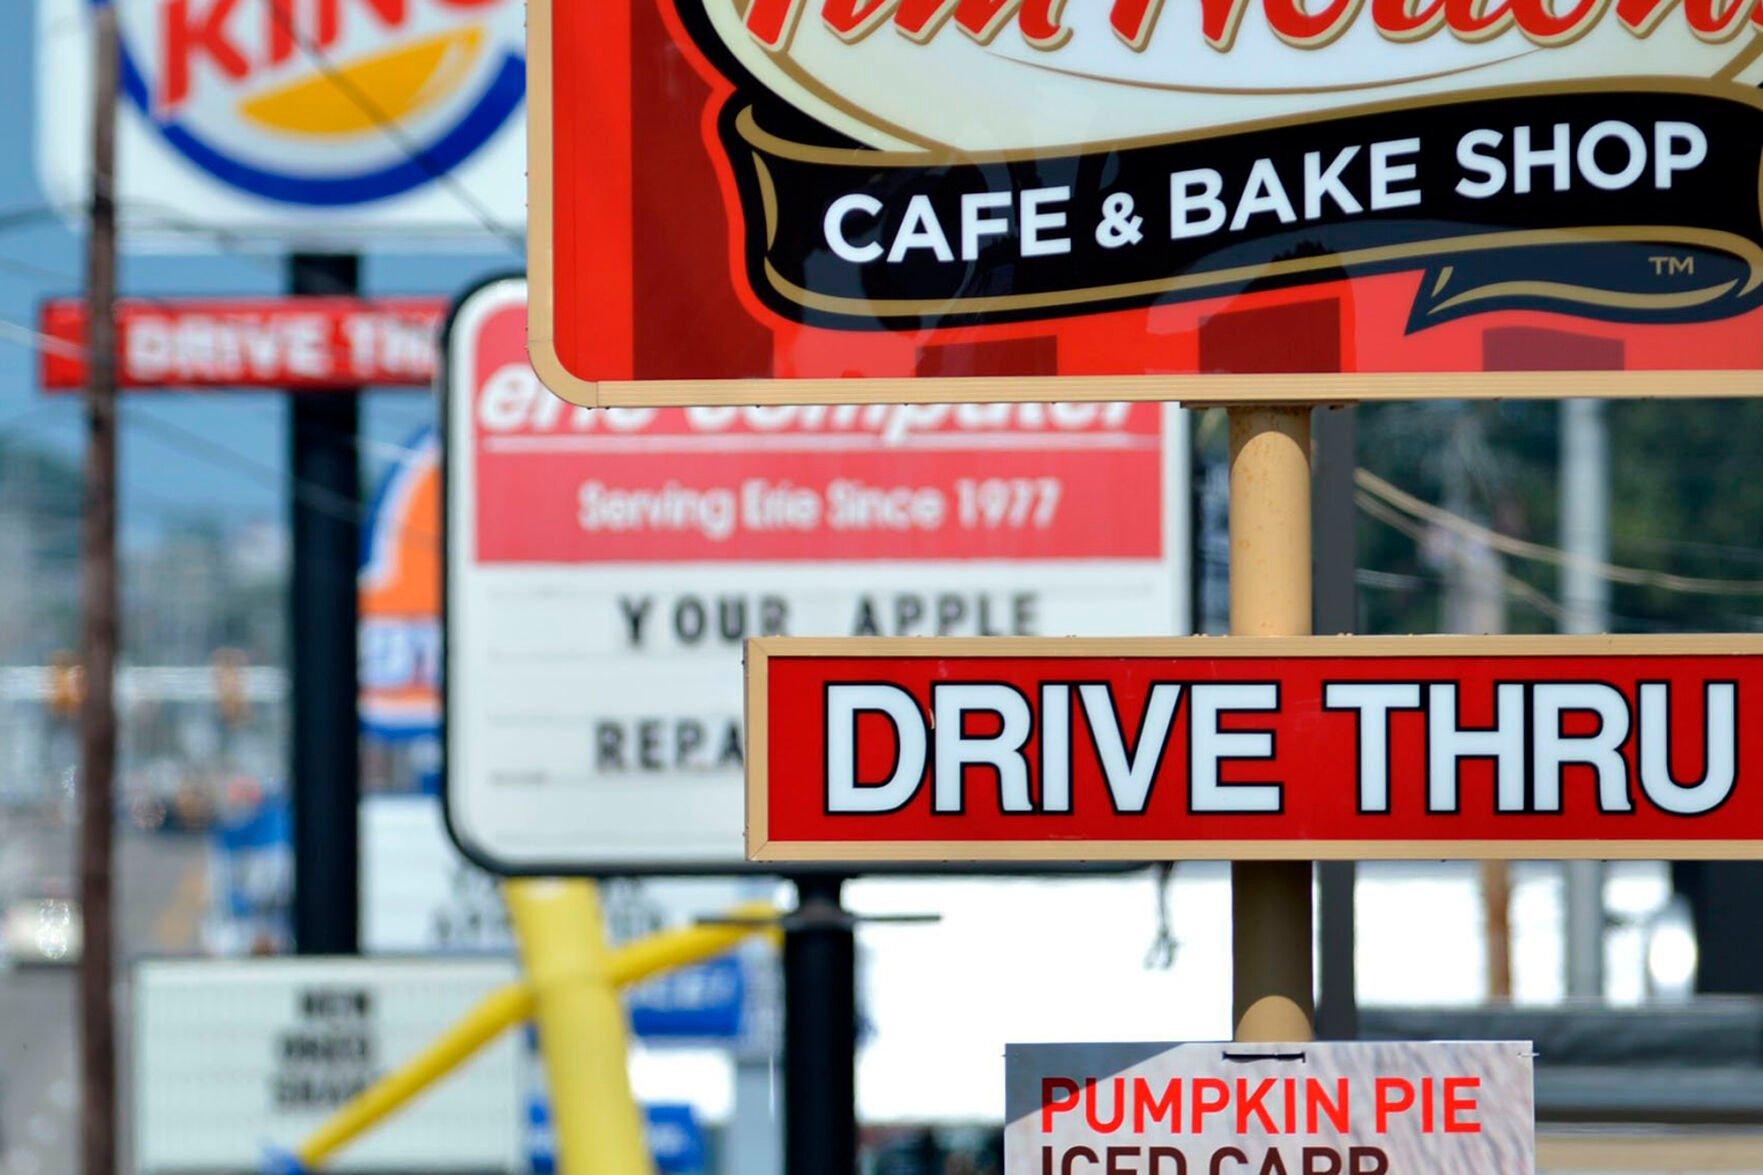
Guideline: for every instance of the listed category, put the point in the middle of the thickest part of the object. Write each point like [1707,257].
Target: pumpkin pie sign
[855,197]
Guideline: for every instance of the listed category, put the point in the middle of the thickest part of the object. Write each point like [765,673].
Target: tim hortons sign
[1009,199]
[1234,748]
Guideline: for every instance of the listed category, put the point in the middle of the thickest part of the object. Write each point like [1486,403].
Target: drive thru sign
[1246,748]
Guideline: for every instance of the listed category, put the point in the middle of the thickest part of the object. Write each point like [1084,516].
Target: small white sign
[1456,1108]
[234,1058]
[418,895]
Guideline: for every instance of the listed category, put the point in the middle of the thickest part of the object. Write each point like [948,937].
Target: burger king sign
[322,120]
[835,199]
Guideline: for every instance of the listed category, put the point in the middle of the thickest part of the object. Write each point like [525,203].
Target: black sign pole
[820,1032]
[325,497]
[1336,604]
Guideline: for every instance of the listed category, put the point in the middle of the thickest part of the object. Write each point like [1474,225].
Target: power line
[283,16]
[228,241]
[26,215]
[22,424]
[1519,548]
[1511,586]
[30,336]
[318,497]
[1724,550]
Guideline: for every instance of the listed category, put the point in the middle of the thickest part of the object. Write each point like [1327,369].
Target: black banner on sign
[1633,199]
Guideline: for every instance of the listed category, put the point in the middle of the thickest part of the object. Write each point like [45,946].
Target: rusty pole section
[98,635]
[1271,919]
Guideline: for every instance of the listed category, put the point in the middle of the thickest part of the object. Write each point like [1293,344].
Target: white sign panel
[234,1057]
[418,895]
[311,125]
[1269,1109]
[603,568]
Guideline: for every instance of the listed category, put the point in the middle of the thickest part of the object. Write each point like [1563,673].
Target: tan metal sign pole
[1270,596]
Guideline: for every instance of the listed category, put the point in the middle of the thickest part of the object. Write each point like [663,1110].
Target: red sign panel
[313,343]
[787,483]
[827,200]
[1241,748]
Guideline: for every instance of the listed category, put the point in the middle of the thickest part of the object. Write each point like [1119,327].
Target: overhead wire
[283,16]
[318,497]
[315,496]
[1414,507]
[30,336]
[1512,585]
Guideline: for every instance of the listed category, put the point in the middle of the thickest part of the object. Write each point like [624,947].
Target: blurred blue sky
[216,455]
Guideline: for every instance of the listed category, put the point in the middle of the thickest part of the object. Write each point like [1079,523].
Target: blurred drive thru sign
[310,344]
[339,125]
[603,569]
[828,197]
[235,1057]
[1269,1109]
[1244,748]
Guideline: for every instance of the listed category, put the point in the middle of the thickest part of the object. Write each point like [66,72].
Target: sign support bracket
[1270,582]
[560,927]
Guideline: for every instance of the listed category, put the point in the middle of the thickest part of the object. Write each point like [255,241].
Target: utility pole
[1273,980]
[1585,596]
[326,775]
[99,625]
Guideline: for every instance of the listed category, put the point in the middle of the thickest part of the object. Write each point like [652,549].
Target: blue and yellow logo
[324,102]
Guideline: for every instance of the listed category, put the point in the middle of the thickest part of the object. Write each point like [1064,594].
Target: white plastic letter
[1448,744]
[843,704]
[1130,777]
[975,226]
[1553,750]
[1668,159]
[1191,192]
[951,702]
[1470,158]
[1210,746]
[1720,750]
[1374,701]
[838,214]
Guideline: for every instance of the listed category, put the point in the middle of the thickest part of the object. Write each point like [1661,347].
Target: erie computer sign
[603,568]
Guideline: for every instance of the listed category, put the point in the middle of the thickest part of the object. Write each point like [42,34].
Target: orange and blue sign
[400,599]
[324,103]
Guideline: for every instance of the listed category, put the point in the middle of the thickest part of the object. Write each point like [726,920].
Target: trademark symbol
[1666,265]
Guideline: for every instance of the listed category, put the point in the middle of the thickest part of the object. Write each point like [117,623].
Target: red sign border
[762,847]
[1193,389]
